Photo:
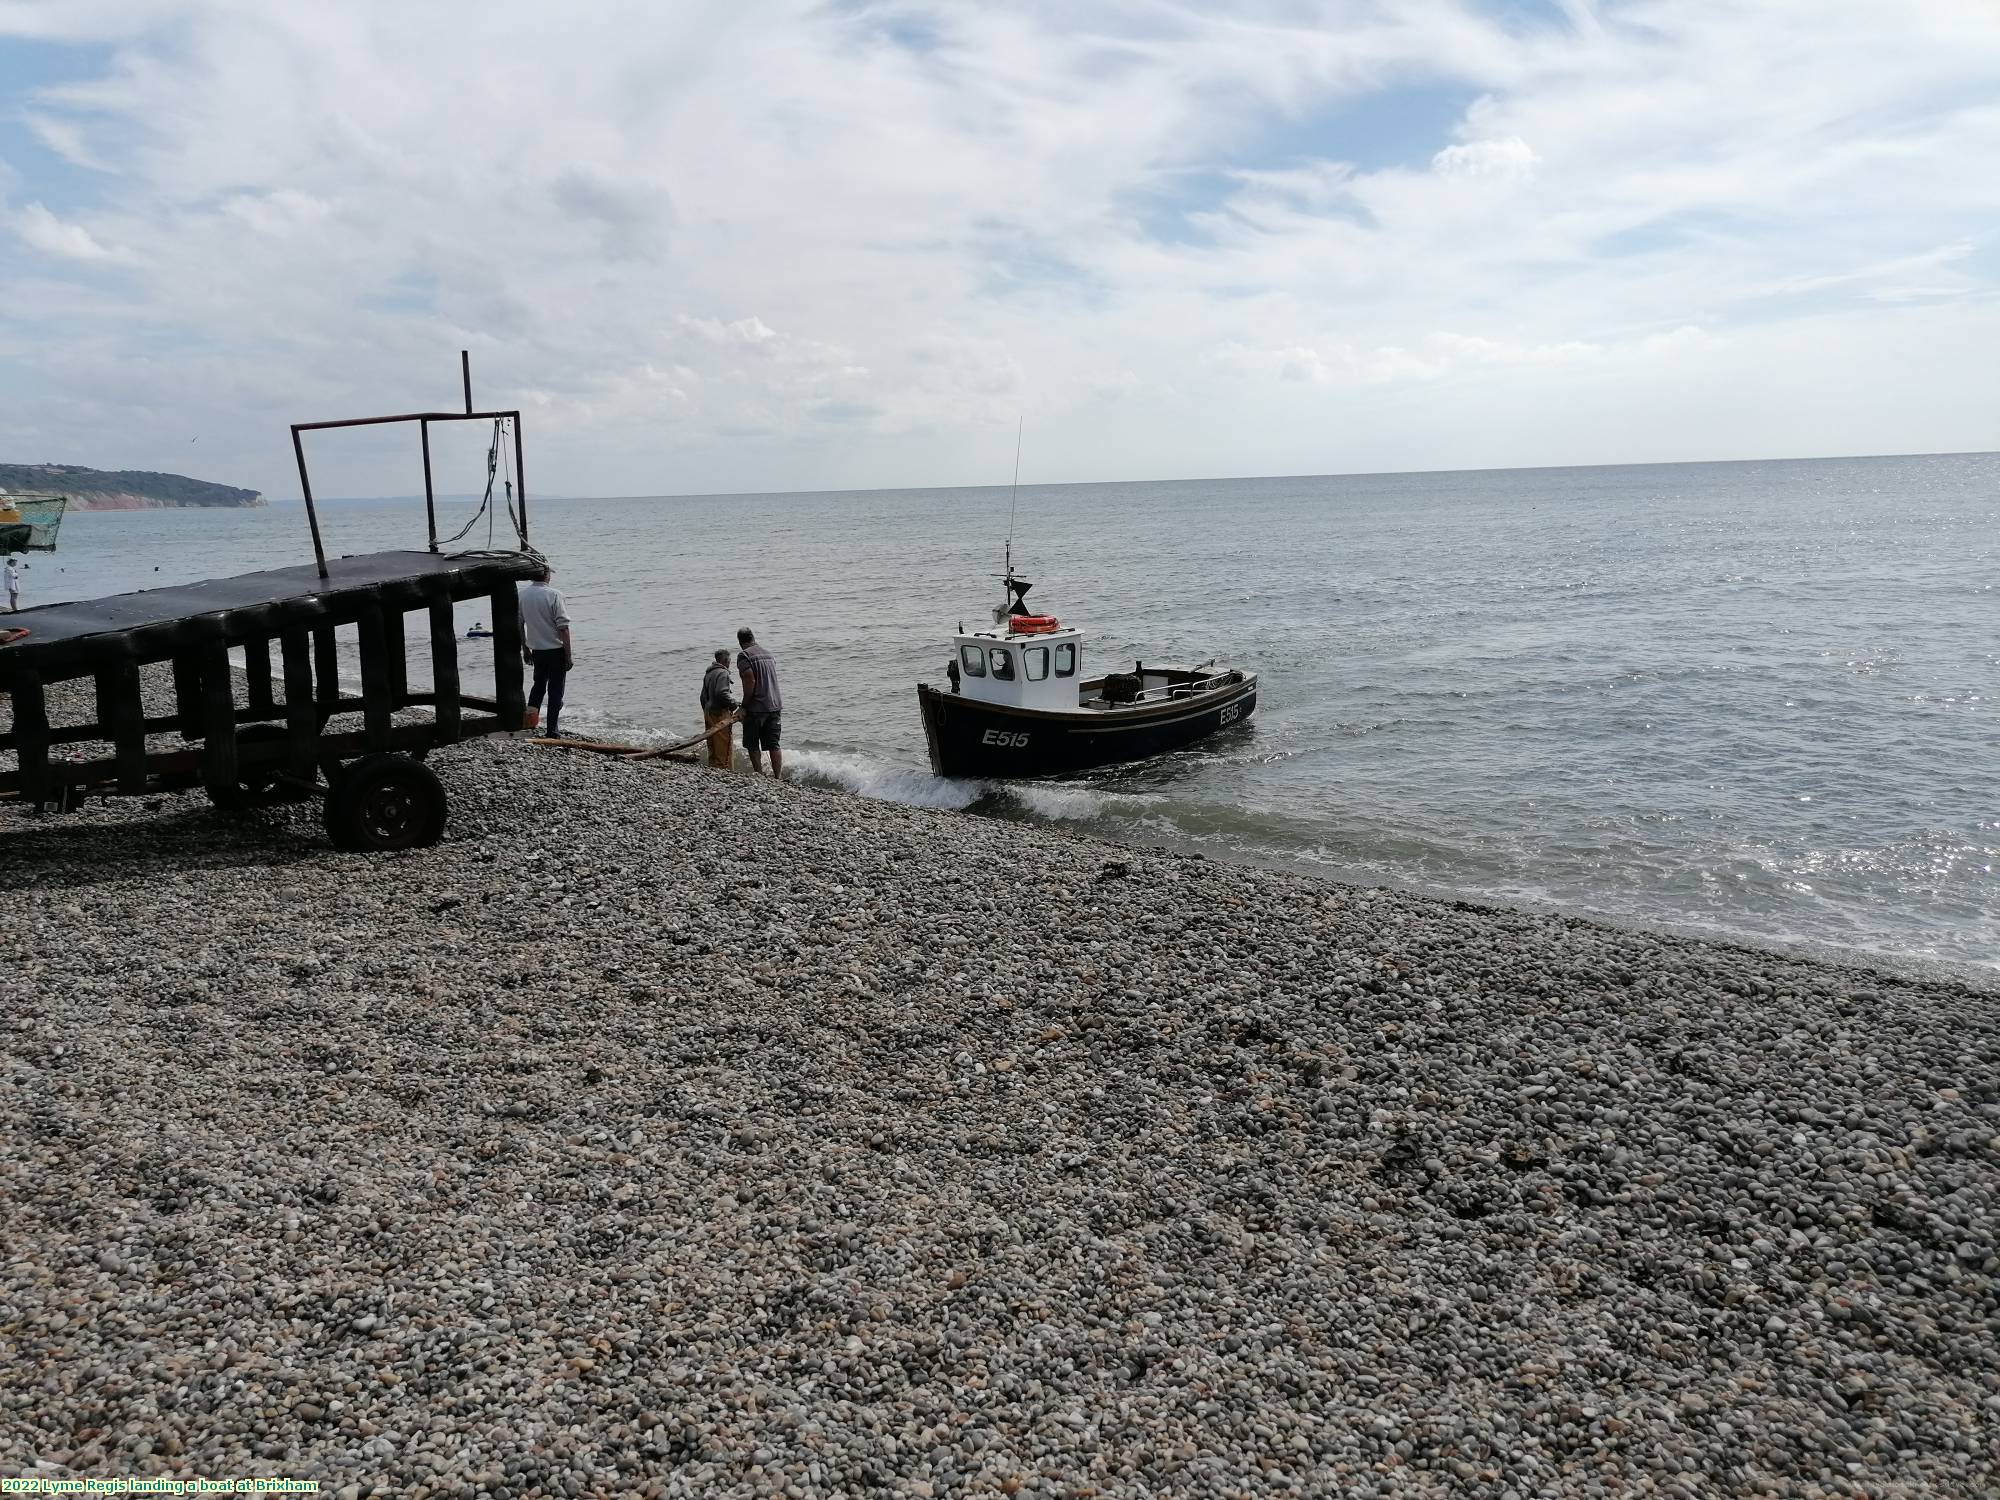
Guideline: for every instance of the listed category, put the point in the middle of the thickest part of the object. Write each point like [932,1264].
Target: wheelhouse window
[1003,663]
[1035,662]
[1066,659]
[973,660]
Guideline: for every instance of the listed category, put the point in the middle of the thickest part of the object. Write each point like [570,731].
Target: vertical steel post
[520,480]
[306,491]
[430,495]
[465,370]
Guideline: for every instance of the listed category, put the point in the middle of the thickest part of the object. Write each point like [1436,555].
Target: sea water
[1748,699]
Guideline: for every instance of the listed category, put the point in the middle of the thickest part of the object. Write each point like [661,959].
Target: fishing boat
[29,523]
[1018,703]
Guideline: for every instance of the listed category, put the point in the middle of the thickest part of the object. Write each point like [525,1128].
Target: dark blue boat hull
[970,738]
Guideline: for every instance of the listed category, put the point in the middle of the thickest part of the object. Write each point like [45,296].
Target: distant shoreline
[154,502]
[123,489]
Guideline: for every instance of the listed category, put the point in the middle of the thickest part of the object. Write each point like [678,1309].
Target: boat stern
[932,709]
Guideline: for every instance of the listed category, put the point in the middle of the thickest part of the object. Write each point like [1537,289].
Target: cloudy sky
[744,245]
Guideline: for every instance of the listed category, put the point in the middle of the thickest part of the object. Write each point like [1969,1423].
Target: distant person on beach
[761,703]
[545,645]
[13,586]
[718,712]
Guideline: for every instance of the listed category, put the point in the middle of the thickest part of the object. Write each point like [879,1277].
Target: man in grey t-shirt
[545,644]
[761,703]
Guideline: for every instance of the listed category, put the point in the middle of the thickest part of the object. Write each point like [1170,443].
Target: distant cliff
[121,489]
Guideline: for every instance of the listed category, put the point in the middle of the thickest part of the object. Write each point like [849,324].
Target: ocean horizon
[536,496]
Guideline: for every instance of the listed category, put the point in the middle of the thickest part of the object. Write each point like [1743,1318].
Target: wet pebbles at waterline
[667,1133]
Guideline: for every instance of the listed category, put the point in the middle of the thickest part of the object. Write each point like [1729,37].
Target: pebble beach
[663,1132]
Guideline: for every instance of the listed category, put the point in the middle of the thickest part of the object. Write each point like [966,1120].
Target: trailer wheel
[383,802]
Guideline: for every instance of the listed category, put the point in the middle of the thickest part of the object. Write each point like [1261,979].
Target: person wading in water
[761,703]
[718,712]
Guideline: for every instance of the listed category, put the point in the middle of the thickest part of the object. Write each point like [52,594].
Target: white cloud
[41,230]
[1181,238]
[277,214]
[65,138]
[1507,159]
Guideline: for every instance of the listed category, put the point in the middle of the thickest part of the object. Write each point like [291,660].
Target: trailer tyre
[384,802]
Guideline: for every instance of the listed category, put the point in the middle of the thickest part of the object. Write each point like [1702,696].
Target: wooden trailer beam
[513,700]
[301,715]
[377,699]
[180,768]
[326,669]
[121,710]
[444,670]
[218,694]
[396,653]
[187,697]
[257,674]
[31,738]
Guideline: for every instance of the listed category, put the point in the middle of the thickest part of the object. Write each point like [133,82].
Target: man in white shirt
[13,586]
[545,644]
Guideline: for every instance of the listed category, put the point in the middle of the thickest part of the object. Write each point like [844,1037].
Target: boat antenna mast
[1014,496]
[1017,589]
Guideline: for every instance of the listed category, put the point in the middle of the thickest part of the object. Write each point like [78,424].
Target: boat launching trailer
[294,731]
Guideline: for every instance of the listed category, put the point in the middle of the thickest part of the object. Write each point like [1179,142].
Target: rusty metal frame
[423,419]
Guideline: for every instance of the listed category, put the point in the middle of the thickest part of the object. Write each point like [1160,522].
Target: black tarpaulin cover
[67,639]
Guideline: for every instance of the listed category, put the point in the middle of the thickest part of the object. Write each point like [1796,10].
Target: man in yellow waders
[718,713]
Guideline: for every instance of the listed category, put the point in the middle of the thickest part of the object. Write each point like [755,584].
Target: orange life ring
[1031,624]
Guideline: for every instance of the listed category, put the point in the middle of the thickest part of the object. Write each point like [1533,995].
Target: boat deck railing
[1166,692]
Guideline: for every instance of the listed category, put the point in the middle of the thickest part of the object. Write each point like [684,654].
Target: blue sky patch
[1016,266]
[1395,127]
[1671,231]
[44,175]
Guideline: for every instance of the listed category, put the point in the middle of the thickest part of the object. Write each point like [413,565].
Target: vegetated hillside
[121,488]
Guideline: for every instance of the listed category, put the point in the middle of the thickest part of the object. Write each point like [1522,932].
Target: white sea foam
[885,781]
[1064,803]
[914,786]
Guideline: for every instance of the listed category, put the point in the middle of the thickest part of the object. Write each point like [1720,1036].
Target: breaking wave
[885,781]
[915,786]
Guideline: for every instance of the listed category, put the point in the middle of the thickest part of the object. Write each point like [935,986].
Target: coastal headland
[668,1133]
[123,489]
